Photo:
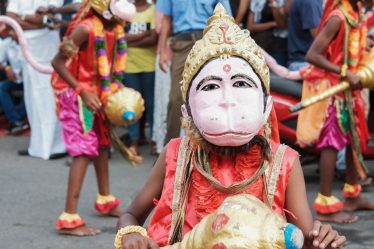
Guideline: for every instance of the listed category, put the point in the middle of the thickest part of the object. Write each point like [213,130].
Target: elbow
[310,57]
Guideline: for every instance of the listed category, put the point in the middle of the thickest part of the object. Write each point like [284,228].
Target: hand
[164,62]
[42,11]
[10,74]
[137,241]
[92,102]
[323,236]
[52,10]
[353,80]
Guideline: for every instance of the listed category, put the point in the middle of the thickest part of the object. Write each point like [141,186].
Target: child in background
[93,38]
[338,121]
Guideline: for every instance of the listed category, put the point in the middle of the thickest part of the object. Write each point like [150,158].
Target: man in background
[43,40]
[184,20]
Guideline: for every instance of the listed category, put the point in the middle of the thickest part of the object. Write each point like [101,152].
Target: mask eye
[210,87]
[241,84]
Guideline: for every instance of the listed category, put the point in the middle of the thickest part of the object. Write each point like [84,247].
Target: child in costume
[232,148]
[338,121]
[94,40]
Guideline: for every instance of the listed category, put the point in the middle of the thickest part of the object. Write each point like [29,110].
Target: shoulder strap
[182,175]
[273,175]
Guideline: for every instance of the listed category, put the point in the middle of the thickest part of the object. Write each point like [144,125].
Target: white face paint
[227,102]
[121,9]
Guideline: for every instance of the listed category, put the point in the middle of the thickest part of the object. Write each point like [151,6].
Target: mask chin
[123,9]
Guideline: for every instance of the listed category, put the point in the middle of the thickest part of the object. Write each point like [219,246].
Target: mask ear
[106,14]
[269,106]
[184,111]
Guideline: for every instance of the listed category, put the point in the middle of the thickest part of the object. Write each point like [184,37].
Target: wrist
[79,89]
[127,230]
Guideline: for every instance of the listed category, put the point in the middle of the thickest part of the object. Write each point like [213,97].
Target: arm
[79,37]
[243,7]
[279,13]
[66,9]
[316,235]
[315,54]
[143,204]
[136,37]
[25,21]
[313,32]
[148,41]
[258,27]
[165,32]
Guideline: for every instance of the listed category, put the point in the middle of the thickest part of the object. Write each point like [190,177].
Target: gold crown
[100,5]
[224,38]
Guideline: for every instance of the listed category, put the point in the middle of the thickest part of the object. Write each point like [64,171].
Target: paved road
[32,195]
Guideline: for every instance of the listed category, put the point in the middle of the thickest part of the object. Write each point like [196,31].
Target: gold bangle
[343,70]
[126,230]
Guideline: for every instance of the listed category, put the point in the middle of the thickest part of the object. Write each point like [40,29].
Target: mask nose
[228,99]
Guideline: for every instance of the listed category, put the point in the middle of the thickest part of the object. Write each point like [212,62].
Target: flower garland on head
[110,78]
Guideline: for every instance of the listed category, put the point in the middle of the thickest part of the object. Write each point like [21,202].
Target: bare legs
[102,177]
[77,173]
[353,204]
[327,168]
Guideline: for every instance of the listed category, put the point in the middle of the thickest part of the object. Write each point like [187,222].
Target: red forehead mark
[227,68]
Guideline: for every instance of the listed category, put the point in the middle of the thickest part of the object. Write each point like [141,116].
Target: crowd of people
[152,54]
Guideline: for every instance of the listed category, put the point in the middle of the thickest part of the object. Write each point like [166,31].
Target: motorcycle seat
[285,87]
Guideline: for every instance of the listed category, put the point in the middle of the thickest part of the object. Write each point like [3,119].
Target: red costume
[203,198]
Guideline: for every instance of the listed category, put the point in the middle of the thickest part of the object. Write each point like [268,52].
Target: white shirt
[10,54]
[29,7]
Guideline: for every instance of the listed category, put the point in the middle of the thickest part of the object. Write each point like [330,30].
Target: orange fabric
[316,80]
[83,64]
[311,119]
[203,198]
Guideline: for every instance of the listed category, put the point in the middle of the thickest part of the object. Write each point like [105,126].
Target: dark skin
[280,18]
[144,39]
[328,156]
[79,165]
[165,32]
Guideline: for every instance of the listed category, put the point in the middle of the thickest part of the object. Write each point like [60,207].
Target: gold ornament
[126,230]
[68,47]
[100,5]
[242,221]
[365,72]
[224,38]
[124,107]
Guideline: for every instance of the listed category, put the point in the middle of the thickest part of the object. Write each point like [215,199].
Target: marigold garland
[110,78]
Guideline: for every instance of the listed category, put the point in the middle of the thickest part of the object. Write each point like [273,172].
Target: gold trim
[274,174]
[179,172]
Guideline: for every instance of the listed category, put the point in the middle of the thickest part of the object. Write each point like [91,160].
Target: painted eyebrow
[240,75]
[207,78]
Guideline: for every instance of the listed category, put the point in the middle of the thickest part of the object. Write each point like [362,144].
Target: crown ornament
[223,38]
[100,5]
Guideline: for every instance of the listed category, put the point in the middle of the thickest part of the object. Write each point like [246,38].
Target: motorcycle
[287,93]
